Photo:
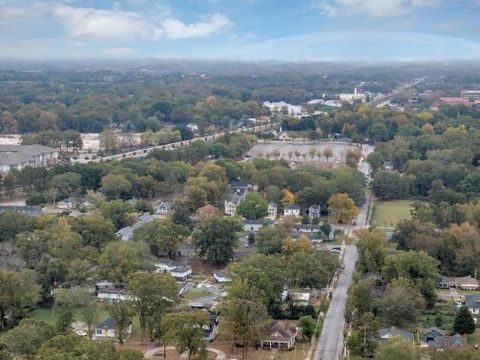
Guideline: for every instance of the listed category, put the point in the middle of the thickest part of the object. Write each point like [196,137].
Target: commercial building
[19,156]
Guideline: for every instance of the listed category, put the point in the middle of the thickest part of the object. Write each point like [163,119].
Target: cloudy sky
[241,29]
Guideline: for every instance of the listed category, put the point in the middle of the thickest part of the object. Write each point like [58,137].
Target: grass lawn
[444,309]
[192,294]
[48,315]
[474,338]
[389,213]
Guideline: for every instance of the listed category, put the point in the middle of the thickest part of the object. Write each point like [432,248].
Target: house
[255,225]
[192,127]
[464,283]
[301,298]
[306,228]
[279,335]
[437,339]
[291,210]
[443,283]
[221,277]
[179,272]
[106,330]
[143,219]
[67,204]
[104,284]
[230,208]
[210,330]
[314,211]
[239,188]
[125,233]
[473,303]
[19,156]
[272,211]
[27,210]
[388,333]
[111,295]
[163,207]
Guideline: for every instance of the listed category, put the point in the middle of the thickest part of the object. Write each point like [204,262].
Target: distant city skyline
[311,30]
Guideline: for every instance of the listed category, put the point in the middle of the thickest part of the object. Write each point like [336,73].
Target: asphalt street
[330,342]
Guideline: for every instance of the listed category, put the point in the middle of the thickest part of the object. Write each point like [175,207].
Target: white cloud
[175,29]
[374,8]
[122,25]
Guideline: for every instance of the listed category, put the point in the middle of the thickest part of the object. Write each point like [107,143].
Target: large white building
[19,156]
[277,107]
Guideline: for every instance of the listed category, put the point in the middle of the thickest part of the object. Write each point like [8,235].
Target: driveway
[150,354]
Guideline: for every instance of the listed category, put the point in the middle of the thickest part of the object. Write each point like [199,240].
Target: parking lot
[297,152]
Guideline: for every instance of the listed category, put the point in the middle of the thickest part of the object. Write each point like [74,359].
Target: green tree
[67,184]
[154,293]
[26,338]
[63,347]
[372,248]
[13,223]
[364,340]
[269,239]
[184,330]
[89,311]
[94,229]
[343,208]
[116,186]
[163,236]
[63,309]
[305,270]
[253,207]
[464,323]
[388,185]
[118,212]
[120,259]
[417,267]
[244,313]
[18,293]
[307,326]
[130,354]
[397,349]
[216,238]
[108,141]
[121,313]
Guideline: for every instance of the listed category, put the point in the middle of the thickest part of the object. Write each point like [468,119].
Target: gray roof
[18,154]
[126,232]
[28,210]
[109,323]
[434,330]
[292,207]
[473,301]
[395,332]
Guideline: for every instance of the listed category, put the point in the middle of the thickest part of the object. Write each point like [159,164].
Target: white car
[81,333]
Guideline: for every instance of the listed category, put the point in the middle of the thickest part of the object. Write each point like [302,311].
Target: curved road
[330,342]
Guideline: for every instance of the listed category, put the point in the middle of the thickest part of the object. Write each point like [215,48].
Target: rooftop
[17,154]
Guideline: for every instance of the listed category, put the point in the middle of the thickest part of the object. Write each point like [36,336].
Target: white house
[314,211]
[255,225]
[230,208]
[300,297]
[179,272]
[473,303]
[272,211]
[163,207]
[111,295]
[221,277]
[106,330]
[67,204]
[291,210]
[193,127]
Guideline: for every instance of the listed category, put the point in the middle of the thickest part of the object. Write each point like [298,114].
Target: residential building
[314,211]
[471,94]
[443,283]
[111,295]
[19,156]
[438,339]
[163,207]
[306,228]
[178,271]
[67,204]
[239,188]
[473,303]
[126,233]
[192,127]
[291,210]
[301,298]
[279,335]
[106,330]
[221,277]
[255,225]
[272,211]
[230,208]
[386,334]
[464,282]
[27,210]
[210,330]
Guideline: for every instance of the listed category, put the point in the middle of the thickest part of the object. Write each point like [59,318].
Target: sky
[246,30]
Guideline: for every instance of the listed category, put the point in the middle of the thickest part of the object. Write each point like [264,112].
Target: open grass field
[389,213]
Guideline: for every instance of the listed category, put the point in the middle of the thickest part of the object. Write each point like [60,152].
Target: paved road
[385,99]
[330,342]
